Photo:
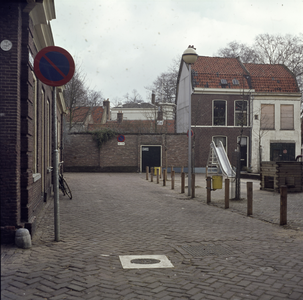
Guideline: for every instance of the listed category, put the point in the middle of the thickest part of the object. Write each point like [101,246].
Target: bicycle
[63,186]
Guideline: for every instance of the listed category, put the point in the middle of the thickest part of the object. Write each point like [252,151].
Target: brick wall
[82,154]
[21,198]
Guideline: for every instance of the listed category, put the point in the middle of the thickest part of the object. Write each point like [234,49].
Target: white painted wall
[134,113]
[182,115]
[276,135]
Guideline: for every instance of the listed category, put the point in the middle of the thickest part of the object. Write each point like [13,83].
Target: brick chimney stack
[153,98]
[106,105]
[120,117]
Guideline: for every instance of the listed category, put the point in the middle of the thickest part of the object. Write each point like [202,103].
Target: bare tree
[271,49]
[165,84]
[75,95]
[94,98]
[79,99]
[134,97]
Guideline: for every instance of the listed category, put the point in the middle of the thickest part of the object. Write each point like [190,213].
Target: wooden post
[147,172]
[158,175]
[208,187]
[182,182]
[283,205]
[226,193]
[164,177]
[152,174]
[249,198]
[171,171]
[182,170]
[172,180]
[193,184]
[161,170]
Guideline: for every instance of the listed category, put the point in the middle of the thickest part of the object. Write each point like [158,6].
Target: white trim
[222,91]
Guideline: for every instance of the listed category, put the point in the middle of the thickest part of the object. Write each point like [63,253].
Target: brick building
[25,115]
[230,102]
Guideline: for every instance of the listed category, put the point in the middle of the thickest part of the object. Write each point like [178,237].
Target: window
[287,116]
[267,116]
[240,113]
[217,139]
[219,113]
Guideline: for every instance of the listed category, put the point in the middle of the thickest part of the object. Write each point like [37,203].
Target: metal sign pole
[189,131]
[55,167]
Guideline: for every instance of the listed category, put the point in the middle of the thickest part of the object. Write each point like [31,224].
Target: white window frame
[239,112]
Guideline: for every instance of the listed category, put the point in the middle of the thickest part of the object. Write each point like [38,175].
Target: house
[144,111]
[139,117]
[25,115]
[276,124]
[226,105]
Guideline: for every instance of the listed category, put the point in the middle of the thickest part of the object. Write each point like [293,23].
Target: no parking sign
[54,66]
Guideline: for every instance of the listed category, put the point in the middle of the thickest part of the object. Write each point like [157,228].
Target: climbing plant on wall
[103,135]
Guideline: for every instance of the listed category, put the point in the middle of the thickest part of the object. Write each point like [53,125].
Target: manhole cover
[145,261]
[206,250]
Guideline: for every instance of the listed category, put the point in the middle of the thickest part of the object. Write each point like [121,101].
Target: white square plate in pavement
[145,261]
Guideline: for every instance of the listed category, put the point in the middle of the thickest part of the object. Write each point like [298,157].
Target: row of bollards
[249,188]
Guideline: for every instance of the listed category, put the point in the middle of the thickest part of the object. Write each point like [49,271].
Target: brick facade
[202,116]
[25,124]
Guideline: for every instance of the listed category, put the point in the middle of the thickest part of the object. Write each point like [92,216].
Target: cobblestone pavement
[216,253]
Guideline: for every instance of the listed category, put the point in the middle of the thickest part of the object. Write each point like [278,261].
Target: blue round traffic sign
[54,66]
[121,138]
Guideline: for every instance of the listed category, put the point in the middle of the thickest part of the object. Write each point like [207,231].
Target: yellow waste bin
[155,170]
[217,182]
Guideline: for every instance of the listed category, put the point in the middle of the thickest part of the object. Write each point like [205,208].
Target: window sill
[36,176]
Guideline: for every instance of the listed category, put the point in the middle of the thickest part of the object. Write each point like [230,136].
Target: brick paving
[124,214]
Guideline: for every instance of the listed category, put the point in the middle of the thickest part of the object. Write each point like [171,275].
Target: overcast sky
[125,44]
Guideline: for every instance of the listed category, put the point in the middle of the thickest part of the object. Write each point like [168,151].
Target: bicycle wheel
[67,189]
[61,185]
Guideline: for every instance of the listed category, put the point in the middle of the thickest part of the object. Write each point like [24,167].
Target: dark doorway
[151,157]
[243,152]
[282,151]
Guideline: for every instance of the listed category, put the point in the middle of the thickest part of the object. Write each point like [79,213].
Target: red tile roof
[272,78]
[97,112]
[80,113]
[208,72]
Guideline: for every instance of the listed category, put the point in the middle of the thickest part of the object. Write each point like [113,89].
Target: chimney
[120,117]
[153,98]
[106,105]
[160,114]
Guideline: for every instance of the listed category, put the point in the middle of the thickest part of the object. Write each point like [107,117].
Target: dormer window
[223,81]
[235,82]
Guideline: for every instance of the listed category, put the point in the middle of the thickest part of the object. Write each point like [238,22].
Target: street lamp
[189,57]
